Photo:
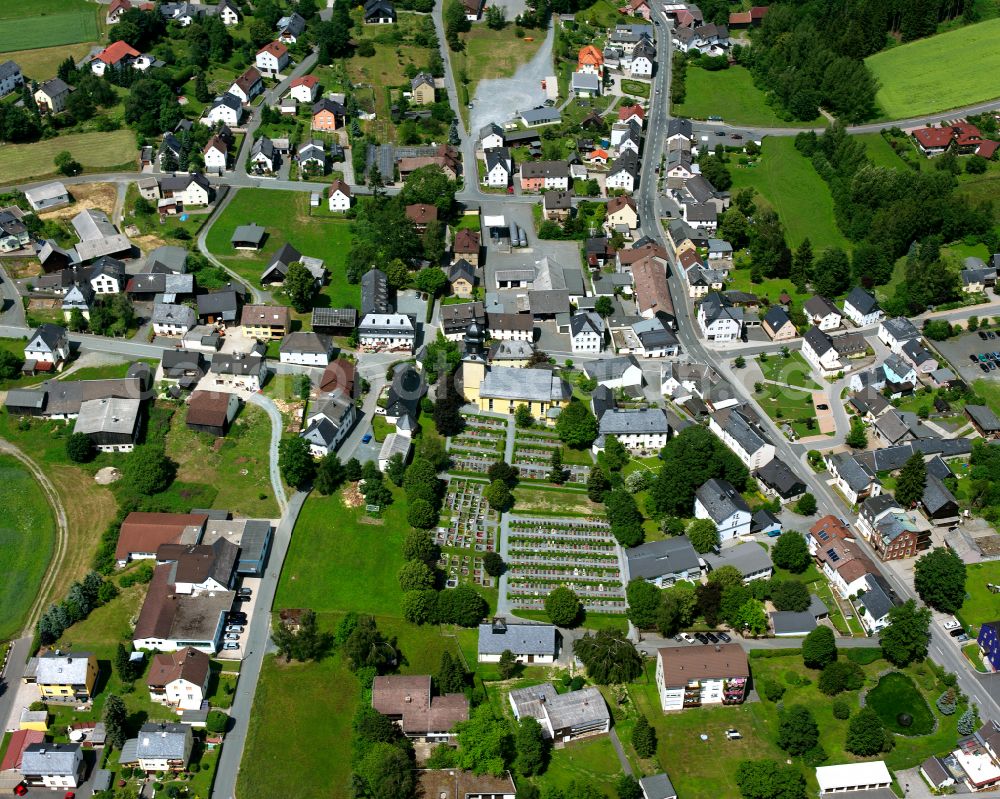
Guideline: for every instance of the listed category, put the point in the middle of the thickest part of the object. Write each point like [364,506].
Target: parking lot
[960,350]
[247,606]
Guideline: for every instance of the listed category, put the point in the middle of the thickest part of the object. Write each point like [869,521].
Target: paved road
[277,427]
[983,689]
[257,641]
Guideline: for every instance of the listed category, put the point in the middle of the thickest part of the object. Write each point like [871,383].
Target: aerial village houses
[696,676]
[272,58]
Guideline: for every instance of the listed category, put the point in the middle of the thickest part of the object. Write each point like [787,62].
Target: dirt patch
[148,242]
[87,195]
[107,475]
[217,444]
[18,268]
[371,520]
[44,304]
[352,496]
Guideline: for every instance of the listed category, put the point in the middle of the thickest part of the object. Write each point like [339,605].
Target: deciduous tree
[939,577]
[819,648]
[562,606]
[791,552]
[609,656]
[907,636]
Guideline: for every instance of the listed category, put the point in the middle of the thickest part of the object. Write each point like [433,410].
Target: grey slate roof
[313,343]
[374,292]
[746,433]
[659,558]
[67,669]
[249,233]
[162,740]
[818,341]
[777,475]
[936,495]
[609,368]
[539,385]
[863,302]
[521,639]
[851,471]
[657,786]
[875,600]
[901,328]
[169,314]
[776,318]
[819,306]
[720,499]
[749,558]
[51,759]
[789,622]
[620,422]
[983,417]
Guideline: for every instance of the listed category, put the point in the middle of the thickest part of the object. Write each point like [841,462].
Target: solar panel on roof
[833,555]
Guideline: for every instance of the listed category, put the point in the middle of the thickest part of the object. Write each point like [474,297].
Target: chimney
[408,699]
[499,625]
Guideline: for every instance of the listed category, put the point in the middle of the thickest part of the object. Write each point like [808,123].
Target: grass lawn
[880,152]
[989,390]
[27,538]
[636,88]
[895,694]
[357,570]
[592,761]
[41,63]
[786,181]
[237,465]
[788,405]
[47,23]
[792,370]
[286,216]
[980,605]
[731,94]
[909,89]
[603,14]
[554,500]
[771,288]
[979,188]
[95,151]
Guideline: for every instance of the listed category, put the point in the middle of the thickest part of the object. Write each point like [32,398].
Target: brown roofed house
[179,679]
[701,676]
[143,533]
[651,292]
[420,214]
[407,701]
[459,784]
[466,246]
[340,374]
[266,322]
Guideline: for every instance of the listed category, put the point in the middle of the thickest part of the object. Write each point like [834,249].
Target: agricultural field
[47,23]
[286,215]
[27,538]
[731,94]
[41,63]
[95,151]
[786,180]
[909,89]
[879,151]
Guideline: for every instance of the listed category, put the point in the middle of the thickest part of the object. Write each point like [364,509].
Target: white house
[48,344]
[499,167]
[305,349]
[172,320]
[645,430]
[491,136]
[529,643]
[229,14]
[272,58]
[262,155]
[52,765]
[624,172]
[623,372]
[563,717]
[247,86]
[718,319]
[818,350]
[10,77]
[642,60]
[246,372]
[216,153]
[226,109]
[340,196]
[822,313]
[161,746]
[895,332]
[874,605]
[918,355]
[179,679]
[717,500]
[304,89]
[867,776]
[743,436]
[586,332]
[899,371]
[331,419]
[385,332]
[862,308]
[187,190]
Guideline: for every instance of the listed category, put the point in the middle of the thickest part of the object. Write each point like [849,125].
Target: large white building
[694,676]
[529,643]
[586,330]
[386,332]
[867,776]
[719,501]
[645,430]
[742,435]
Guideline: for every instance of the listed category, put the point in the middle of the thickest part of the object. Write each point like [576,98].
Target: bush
[772,690]
[841,675]
[841,710]
[216,721]
[947,702]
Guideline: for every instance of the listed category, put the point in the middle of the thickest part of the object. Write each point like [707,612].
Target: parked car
[234,628]
[958,631]
[973,358]
[982,335]
[687,637]
[724,637]
[712,638]
[701,637]
[951,625]
[245,592]
[366,438]
[990,334]
[679,638]
[231,646]
[993,365]
[962,638]
[232,636]
[69,795]
[733,735]
[984,367]
[20,789]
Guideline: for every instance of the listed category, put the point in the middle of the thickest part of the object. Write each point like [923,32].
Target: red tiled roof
[115,52]
[466,241]
[116,4]
[145,532]
[187,664]
[740,18]
[987,148]
[758,12]
[615,204]
[341,374]
[421,213]
[933,137]
[832,525]
[19,741]
[306,80]
[590,55]
[631,110]
[277,49]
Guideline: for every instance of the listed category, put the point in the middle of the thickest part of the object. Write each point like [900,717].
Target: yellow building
[502,389]
[422,89]
[37,720]
[66,677]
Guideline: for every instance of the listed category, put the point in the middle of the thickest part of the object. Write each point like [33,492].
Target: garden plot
[470,533]
[544,553]
[479,445]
